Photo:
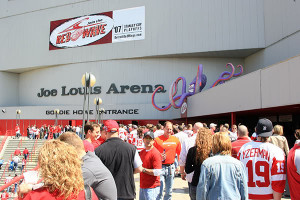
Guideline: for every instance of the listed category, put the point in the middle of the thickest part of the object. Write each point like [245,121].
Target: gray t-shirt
[96,175]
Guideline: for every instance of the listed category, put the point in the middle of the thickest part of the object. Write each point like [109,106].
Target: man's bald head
[242,131]
[197,126]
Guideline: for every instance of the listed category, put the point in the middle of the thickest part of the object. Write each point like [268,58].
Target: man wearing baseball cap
[213,127]
[265,164]
[121,158]
[152,168]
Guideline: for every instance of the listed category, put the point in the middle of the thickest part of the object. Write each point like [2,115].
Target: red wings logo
[81,31]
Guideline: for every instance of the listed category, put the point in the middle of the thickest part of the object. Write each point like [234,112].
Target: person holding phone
[60,169]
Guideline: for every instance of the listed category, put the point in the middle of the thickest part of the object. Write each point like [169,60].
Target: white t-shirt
[181,136]
[16,159]
[158,133]
[185,146]
[190,133]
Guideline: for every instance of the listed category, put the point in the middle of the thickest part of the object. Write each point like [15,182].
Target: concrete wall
[120,72]
[9,87]
[172,27]
[269,87]
[279,84]
[132,112]
[281,19]
[282,34]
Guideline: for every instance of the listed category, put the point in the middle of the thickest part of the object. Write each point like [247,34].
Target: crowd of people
[218,162]
[48,131]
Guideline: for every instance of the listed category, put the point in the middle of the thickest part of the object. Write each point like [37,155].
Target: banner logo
[81,31]
[99,28]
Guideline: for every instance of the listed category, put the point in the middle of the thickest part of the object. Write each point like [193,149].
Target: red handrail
[3,187]
[32,151]
[8,163]
[6,166]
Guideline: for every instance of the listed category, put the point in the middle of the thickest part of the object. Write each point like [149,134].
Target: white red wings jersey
[8,179]
[131,136]
[139,143]
[4,195]
[122,134]
[17,129]
[265,168]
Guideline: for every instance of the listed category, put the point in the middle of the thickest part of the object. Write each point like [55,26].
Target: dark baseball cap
[264,128]
[149,133]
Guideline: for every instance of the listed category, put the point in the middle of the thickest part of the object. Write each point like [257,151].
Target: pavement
[180,189]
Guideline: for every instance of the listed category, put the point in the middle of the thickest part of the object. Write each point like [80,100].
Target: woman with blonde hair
[222,176]
[279,140]
[195,157]
[60,169]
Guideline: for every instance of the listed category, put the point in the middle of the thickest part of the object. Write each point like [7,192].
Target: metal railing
[8,163]
[33,150]
[16,179]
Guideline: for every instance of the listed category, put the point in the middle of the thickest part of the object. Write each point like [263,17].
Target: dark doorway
[135,123]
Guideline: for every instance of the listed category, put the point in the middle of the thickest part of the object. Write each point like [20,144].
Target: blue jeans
[167,176]
[192,191]
[149,193]
[16,187]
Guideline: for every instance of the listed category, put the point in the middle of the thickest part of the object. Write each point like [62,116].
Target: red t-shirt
[236,145]
[101,140]
[151,160]
[171,145]
[88,146]
[96,143]
[43,194]
[17,152]
[25,151]
[293,176]
[52,129]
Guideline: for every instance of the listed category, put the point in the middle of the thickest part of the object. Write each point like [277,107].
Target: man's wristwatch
[144,170]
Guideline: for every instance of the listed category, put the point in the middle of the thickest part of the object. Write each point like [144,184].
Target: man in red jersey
[25,153]
[152,164]
[265,164]
[168,145]
[17,152]
[241,140]
[293,168]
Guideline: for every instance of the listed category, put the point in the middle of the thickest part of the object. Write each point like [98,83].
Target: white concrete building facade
[177,36]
